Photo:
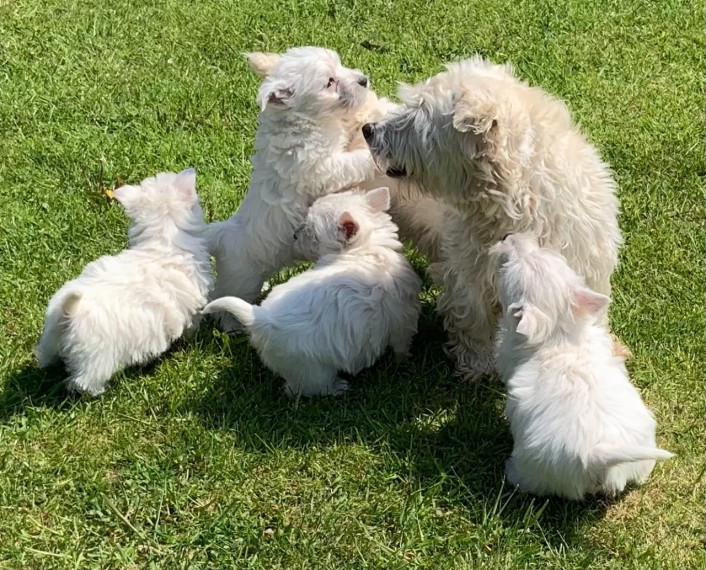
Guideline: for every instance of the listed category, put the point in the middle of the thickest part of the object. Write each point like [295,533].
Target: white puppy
[361,297]
[506,157]
[307,101]
[578,424]
[128,308]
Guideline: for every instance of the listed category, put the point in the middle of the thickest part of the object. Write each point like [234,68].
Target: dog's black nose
[363,81]
[368,129]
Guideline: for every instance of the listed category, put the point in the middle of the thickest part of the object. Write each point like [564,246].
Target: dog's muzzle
[396,172]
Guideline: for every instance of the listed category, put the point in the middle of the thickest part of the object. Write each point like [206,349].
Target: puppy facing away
[127,309]
[360,297]
[307,100]
[579,425]
[506,158]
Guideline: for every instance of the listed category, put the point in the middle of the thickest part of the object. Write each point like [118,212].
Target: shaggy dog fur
[308,101]
[506,157]
[578,423]
[128,308]
[361,297]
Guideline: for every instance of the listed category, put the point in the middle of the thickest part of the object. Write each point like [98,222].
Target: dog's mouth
[396,171]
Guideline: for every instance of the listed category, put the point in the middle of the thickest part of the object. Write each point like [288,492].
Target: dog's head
[309,81]
[448,125]
[539,293]
[161,205]
[341,222]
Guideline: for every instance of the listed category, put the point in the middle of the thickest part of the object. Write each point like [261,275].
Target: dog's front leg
[346,169]
[466,304]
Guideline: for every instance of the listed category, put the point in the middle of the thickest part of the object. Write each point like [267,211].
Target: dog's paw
[470,366]
[339,387]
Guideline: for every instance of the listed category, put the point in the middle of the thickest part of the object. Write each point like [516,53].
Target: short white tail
[240,309]
[610,455]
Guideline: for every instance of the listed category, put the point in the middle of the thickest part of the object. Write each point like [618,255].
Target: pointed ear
[378,199]
[262,63]
[274,93]
[127,195]
[347,226]
[532,323]
[588,302]
[185,183]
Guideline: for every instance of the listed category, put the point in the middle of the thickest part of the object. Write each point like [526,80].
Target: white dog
[506,157]
[578,423]
[361,297]
[128,308]
[308,100]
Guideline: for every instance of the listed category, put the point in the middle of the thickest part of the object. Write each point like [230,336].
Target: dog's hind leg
[312,379]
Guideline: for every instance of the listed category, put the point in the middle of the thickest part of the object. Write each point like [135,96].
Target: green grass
[199,461]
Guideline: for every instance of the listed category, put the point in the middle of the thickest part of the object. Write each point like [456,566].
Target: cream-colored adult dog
[508,158]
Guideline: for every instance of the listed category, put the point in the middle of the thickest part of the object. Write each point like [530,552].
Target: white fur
[127,309]
[360,297]
[578,424]
[301,154]
[505,157]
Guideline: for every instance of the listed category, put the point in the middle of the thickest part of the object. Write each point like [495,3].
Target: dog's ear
[500,120]
[587,302]
[347,227]
[262,63]
[185,183]
[378,199]
[127,195]
[531,322]
[274,93]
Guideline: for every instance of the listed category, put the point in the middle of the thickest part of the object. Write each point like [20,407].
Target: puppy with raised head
[360,297]
[579,426]
[506,157]
[307,100]
[128,308]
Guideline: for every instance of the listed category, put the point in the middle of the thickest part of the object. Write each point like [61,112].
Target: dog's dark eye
[331,81]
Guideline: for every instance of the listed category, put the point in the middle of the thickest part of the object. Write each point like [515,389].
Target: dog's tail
[606,455]
[240,309]
[47,350]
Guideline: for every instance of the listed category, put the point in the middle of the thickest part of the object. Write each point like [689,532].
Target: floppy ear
[262,63]
[347,226]
[501,121]
[532,323]
[378,199]
[127,195]
[274,93]
[588,302]
[185,183]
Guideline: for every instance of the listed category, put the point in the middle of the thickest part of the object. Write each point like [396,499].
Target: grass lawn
[200,461]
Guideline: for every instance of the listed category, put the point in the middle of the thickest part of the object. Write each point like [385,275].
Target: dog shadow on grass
[448,432]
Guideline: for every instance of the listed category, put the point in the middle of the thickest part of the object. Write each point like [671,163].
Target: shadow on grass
[32,386]
[451,435]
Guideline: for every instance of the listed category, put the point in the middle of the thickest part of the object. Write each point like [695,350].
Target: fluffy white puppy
[128,308]
[360,297]
[578,424]
[506,157]
[307,101]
